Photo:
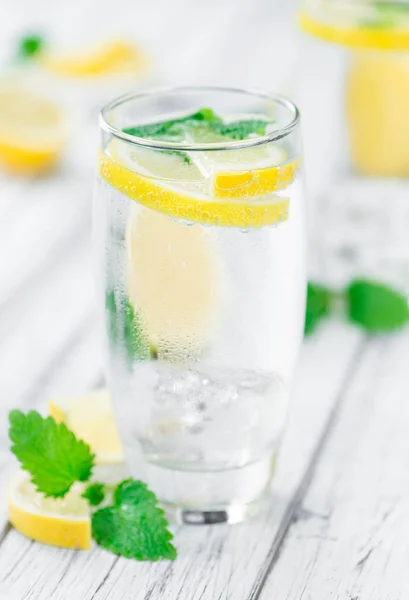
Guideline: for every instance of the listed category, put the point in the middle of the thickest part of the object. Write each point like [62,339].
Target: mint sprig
[50,452]
[376,307]
[175,130]
[29,46]
[94,493]
[122,528]
[125,328]
[317,307]
[134,526]
[373,306]
[131,492]
[385,16]
[241,130]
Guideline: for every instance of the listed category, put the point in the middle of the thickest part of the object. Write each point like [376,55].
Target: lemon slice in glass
[63,522]
[182,186]
[244,172]
[173,282]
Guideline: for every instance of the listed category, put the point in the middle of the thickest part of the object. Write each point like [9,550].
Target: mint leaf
[386,16]
[125,328]
[318,306]
[135,526]
[29,46]
[134,493]
[50,452]
[94,493]
[376,307]
[175,128]
[240,130]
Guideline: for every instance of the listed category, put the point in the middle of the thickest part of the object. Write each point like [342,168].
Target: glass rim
[342,5]
[165,145]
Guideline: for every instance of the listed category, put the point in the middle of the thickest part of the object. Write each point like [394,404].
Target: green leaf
[376,307]
[240,130]
[318,306]
[29,46]
[94,493]
[386,16]
[125,327]
[50,452]
[164,130]
[134,493]
[135,526]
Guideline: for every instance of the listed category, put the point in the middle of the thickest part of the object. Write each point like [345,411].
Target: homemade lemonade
[201,221]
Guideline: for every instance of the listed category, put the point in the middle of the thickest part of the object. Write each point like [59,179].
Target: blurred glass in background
[353,91]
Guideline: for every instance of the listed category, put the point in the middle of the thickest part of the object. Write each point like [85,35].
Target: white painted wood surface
[338,523]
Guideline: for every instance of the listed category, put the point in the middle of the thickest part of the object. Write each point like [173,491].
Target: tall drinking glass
[352,87]
[200,231]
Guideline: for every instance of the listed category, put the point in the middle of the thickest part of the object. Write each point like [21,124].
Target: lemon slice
[252,172]
[173,282]
[377,97]
[63,522]
[32,131]
[91,418]
[347,31]
[113,57]
[167,184]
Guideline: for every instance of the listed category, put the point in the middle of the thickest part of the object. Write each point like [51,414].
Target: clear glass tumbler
[353,90]
[200,231]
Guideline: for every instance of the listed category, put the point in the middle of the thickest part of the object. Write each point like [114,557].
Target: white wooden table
[338,522]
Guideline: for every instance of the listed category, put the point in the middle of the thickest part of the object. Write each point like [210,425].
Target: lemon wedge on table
[63,522]
[32,131]
[111,58]
[192,188]
[91,419]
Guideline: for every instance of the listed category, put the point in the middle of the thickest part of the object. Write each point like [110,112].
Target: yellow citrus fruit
[377,95]
[353,34]
[32,131]
[172,282]
[63,522]
[189,190]
[91,418]
[113,57]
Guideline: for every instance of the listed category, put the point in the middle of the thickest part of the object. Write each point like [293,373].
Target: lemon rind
[355,36]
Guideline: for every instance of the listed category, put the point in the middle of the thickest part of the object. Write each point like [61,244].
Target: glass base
[209,497]
[232,514]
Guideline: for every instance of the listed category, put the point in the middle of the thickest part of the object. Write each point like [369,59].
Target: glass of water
[200,230]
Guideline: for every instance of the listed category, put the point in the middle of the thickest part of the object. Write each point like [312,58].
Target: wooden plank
[350,539]
[5,469]
[213,562]
[43,224]
[41,323]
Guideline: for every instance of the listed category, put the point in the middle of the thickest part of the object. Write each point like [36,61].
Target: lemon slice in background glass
[377,99]
[33,131]
[63,522]
[370,25]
